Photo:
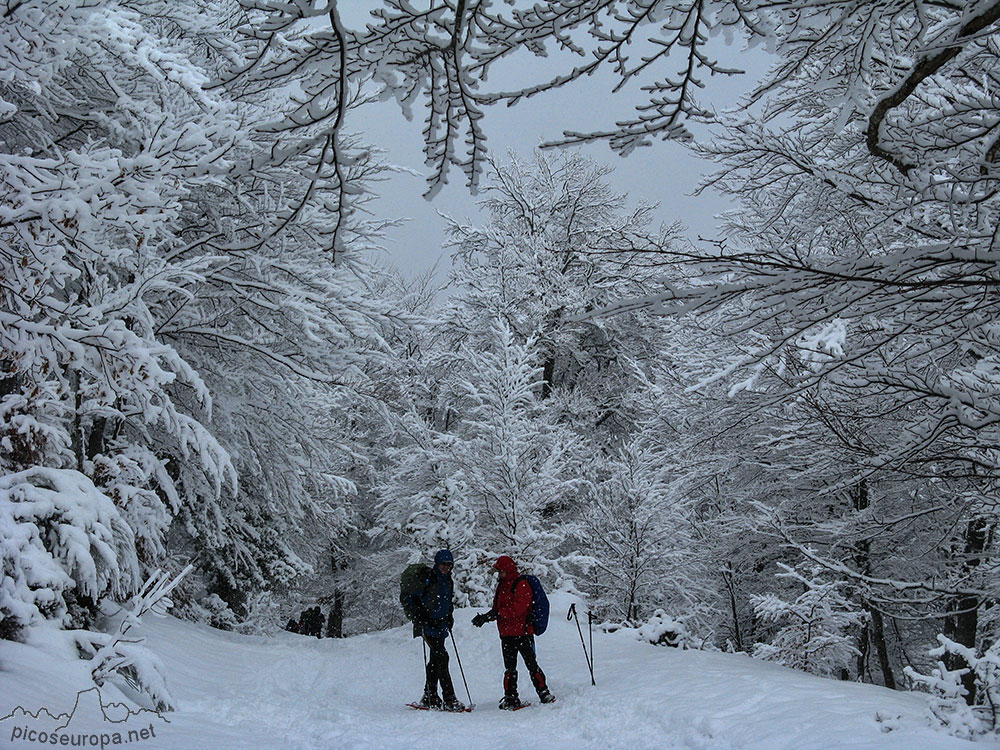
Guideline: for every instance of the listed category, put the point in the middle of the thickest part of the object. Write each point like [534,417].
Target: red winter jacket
[512,603]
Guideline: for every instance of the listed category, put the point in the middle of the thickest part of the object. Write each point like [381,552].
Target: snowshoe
[547,697]
[455,706]
[430,701]
[512,703]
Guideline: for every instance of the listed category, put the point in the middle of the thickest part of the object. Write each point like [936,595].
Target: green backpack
[411,585]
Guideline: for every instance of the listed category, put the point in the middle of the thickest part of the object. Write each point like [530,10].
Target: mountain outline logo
[91,722]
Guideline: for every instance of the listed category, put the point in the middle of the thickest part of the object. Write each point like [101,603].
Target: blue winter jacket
[436,598]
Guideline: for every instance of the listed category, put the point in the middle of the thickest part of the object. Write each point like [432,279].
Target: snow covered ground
[293,692]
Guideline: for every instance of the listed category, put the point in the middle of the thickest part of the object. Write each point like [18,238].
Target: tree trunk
[962,625]
[95,440]
[876,633]
[864,644]
[727,577]
[335,622]
[76,433]
[878,636]
[548,370]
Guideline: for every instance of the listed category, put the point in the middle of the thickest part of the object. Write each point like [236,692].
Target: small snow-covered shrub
[124,661]
[217,613]
[815,627]
[663,630]
[62,541]
[265,615]
[948,695]
[195,604]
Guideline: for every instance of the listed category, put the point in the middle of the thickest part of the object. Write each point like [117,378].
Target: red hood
[506,565]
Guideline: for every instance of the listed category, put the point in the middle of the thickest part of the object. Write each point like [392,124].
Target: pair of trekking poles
[570,615]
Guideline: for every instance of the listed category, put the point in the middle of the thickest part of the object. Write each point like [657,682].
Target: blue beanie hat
[444,556]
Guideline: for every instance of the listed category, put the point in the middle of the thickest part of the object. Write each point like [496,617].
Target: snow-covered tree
[813,633]
[107,136]
[560,244]
[64,547]
[499,478]
[172,321]
[518,466]
[638,529]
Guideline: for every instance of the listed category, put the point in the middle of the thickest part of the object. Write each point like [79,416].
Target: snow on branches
[948,704]
[814,628]
[64,544]
[122,659]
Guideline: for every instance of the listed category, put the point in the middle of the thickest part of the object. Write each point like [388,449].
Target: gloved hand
[481,619]
[450,622]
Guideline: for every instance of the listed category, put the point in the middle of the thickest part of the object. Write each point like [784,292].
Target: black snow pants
[437,670]
[511,646]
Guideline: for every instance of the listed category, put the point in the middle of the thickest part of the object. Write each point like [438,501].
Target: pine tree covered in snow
[519,467]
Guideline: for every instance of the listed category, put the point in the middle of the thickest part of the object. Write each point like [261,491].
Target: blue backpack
[539,604]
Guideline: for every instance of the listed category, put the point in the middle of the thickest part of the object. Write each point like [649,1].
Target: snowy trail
[301,693]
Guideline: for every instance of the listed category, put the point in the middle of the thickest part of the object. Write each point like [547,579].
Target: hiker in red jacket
[512,611]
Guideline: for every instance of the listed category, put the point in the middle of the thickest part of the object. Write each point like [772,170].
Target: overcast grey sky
[665,173]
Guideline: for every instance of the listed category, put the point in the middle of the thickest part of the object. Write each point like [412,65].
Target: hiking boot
[509,703]
[430,700]
[453,705]
[546,696]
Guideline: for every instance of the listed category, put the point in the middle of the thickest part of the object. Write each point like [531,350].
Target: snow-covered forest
[784,440]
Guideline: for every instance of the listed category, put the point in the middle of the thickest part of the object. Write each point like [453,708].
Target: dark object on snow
[311,622]
[292,626]
[668,638]
[335,620]
[515,616]
[590,626]
[317,620]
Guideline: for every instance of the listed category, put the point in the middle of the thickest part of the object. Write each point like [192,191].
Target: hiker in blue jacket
[435,605]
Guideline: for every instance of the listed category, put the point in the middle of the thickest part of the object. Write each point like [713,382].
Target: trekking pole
[590,627]
[571,615]
[454,645]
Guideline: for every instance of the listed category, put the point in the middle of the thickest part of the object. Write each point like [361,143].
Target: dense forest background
[785,438]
